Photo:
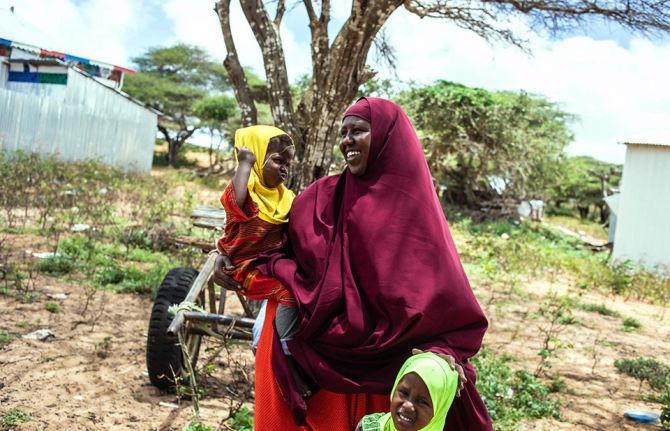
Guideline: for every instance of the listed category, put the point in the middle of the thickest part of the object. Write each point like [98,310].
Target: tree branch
[279,91]
[490,18]
[235,71]
[281,8]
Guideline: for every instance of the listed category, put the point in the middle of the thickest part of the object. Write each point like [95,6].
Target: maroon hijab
[375,272]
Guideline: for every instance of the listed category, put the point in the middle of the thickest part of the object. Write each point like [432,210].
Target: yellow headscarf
[273,203]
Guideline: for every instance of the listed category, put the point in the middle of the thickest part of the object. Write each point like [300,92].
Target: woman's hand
[221,278]
[462,380]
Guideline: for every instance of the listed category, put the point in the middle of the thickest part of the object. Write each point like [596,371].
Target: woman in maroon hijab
[375,272]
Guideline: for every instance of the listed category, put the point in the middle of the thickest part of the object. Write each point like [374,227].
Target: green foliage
[577,184]
[242,420]
[130,279]
[56,265]
[216,110]
[654,372]
[664,399]
[14,417]
[485,145]
[511,396]
[630,324]
[53,307]
[505,252]
[5,337]
[649,370]
[598,308]
[175,80]
[197,426]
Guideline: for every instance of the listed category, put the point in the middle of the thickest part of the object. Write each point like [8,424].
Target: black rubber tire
[164,355]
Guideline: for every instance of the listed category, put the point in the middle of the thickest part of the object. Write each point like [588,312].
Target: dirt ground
[92,376]
[78,381]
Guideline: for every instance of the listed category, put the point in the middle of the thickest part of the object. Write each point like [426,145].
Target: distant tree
[215,113]
[173,80]
[488,145]
[339,61]
[584,182]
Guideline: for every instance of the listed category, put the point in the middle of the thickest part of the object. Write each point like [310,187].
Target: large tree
[173,80]
[488,145]
[339,62]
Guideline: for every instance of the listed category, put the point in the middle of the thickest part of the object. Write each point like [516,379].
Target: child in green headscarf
[421,396]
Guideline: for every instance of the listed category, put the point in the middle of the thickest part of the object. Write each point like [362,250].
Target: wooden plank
[209,217]
[208,223]
[202,244]
[198,284]
[208,212]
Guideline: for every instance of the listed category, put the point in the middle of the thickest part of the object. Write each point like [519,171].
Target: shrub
[650,370]
[630,324]
[598,308]
[56,265]
[243,420]
[52,307]
[511,396]
[5,337]
[14,417]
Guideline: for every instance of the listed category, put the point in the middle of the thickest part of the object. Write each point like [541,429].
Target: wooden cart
[166,362]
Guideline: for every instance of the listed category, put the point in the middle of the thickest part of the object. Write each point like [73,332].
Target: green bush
[14,417]
[651,370]
[630,324]
[243,420]
[664,399]
[52,307]
[598,308]
[130,279]
[5,337]
[511,396]
[56,265]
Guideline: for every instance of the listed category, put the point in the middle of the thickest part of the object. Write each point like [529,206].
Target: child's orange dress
[247,236]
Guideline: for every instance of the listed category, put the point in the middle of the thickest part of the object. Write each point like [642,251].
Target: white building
[53,103]
[643,209]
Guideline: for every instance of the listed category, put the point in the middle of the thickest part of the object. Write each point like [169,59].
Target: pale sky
[616,83]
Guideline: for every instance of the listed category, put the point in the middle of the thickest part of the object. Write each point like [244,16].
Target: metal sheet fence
[94,122]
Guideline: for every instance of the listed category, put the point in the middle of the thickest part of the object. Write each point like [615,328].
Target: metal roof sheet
[654,144]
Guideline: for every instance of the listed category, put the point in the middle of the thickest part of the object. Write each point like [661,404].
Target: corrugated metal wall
[4,72]
[642,230]
[94,122]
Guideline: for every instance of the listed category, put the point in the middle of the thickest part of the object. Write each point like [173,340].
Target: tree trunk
[337,72]
[175,142]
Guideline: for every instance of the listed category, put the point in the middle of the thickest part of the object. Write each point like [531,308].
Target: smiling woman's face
[355,137]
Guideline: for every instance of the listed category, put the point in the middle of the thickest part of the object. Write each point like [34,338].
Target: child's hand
[244,155]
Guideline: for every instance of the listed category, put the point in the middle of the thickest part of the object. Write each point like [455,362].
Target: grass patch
[649,370]
[129,278]
[53,307]
[6,337]
[506,252]
[14,417]
[56,265]
[598,308]
[630,324]
[511,396]
[242,420]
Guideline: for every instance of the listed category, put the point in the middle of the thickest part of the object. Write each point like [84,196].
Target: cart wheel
[165,360]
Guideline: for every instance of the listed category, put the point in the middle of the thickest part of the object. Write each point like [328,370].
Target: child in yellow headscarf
[257,205]
[422,394]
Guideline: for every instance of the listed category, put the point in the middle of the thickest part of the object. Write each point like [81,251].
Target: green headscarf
[441,381]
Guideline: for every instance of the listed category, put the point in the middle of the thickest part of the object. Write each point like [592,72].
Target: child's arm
[246,160]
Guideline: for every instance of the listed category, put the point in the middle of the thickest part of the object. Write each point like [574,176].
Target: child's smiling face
[411,405]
